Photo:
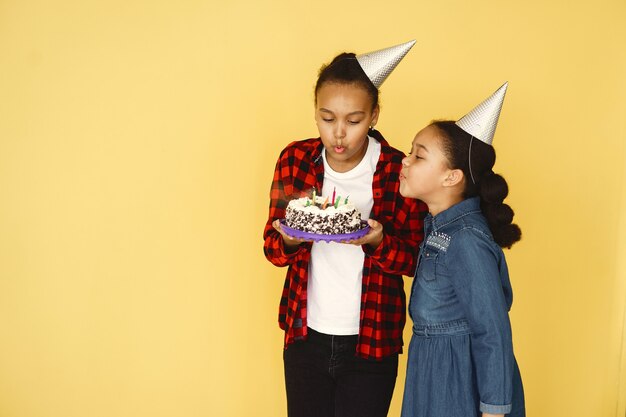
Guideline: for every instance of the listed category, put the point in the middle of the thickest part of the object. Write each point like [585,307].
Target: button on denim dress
[461,360]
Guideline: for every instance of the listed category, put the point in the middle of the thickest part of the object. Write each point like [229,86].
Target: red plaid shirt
[383,304]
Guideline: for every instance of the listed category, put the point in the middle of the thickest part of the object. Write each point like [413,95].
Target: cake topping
[324,203]
[323,215]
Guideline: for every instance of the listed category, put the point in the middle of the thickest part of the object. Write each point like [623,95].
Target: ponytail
[490,187]
[493,189]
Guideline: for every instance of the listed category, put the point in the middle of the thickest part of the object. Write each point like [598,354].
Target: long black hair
[480,180]
[345,69]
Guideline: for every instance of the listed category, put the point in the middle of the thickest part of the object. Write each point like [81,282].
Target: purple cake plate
[317,237]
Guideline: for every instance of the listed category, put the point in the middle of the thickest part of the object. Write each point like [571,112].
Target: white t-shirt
[336,269]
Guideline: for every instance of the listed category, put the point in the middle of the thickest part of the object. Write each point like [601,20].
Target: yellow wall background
[137,144]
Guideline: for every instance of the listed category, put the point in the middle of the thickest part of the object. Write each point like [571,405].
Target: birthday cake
[320,216]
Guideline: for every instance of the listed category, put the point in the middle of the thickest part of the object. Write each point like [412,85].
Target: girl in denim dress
[461,360]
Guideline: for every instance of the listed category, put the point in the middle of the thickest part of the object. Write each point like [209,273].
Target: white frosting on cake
[345,218]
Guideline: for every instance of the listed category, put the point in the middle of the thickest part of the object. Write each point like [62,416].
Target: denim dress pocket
[427,269]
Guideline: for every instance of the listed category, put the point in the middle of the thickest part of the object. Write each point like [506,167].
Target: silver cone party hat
[379,64]
[482,121]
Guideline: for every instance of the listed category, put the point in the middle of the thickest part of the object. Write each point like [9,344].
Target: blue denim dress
[461,359]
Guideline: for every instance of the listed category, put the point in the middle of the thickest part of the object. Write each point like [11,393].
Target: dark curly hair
[490,187]
[345,69]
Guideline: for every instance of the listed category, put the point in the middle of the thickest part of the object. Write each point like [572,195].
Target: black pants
[324,378]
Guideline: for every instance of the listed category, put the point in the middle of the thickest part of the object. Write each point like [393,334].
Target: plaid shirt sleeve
[281,192]
[294,175]
[384,304]
[402,220]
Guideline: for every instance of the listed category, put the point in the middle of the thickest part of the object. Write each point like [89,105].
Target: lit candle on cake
[334,189]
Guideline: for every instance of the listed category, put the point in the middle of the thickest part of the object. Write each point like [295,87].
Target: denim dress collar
[451,214]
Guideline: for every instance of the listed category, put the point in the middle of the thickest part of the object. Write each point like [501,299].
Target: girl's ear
[455,176]
[375,114]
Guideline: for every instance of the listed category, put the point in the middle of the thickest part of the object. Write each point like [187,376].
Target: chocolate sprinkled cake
[314,216]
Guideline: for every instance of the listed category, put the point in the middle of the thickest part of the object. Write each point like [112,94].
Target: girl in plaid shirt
[343,304]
